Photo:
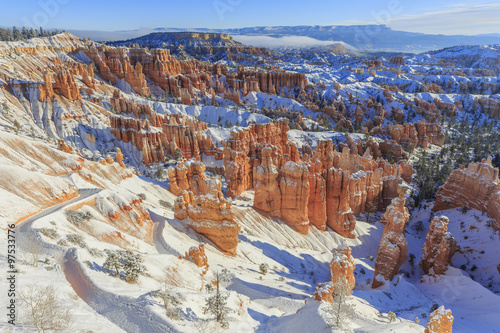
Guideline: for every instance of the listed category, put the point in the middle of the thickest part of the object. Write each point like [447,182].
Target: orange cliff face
[201,202]
[338,211]
[439,247]
[358,184]
[188,177]
[162,135]
[283,193]
[197,255]
[210,215]
[341,267]
[393,246]
[242,153]
[440,321]
[476,186]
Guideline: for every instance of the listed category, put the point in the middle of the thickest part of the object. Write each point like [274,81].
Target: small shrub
[417,321]
[391,316]
[94,252]
[130,263]
[175,314]
[165,204]
[62,242]
[464,210]
[142,196]
[49,232]
[77,240]
[434,307]
[282,278]
[264,268]
[209,288]
[77,217]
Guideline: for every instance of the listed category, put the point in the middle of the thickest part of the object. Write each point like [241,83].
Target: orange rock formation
[393,246]
[440,321]
[439,247]
[341,266]
[211,215]
[197,255]
[476,186]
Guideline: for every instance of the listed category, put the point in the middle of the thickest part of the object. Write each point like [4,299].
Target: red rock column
[393,246]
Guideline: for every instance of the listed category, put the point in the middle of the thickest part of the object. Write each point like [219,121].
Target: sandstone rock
[210,215]
[242,152]
[64,147]
[294,188]
[197,255]
[267,191]
[317,199]
[393,246]
[439,247]
[440,321]
[324,292]
[339,214]
[476,186]
[341,266]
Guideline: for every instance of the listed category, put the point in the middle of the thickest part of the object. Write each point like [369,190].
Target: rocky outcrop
[439,247]
[317,198]
[413,134]
[189,176]
[197,255]
[341,267]
[339,214]
[162,135]
[267,191]
[440,321]
[398,60]
[393,246]
[126,212]
[294,188]
[210,215]
[476,186]
[283,192]
[242,152]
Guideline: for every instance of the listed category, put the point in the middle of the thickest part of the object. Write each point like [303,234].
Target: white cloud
[281,42]
[470,20]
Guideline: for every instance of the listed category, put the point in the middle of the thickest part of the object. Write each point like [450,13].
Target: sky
[428,16]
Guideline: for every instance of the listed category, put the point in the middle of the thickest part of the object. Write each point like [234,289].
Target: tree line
[15,34]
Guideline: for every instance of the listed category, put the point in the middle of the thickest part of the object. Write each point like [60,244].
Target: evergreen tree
[217,304]
[341,310]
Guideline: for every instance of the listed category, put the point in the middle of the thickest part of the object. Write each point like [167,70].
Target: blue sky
[430,16]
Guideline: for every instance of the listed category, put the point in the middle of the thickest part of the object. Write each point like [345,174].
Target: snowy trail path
[159,241]
[132,315]
[24,227]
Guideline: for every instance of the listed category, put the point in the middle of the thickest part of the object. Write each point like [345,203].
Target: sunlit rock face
[439,247]
[476,186]
[393,246]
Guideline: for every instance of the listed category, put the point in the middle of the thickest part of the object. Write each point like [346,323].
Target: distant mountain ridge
[200,45]
[364,37]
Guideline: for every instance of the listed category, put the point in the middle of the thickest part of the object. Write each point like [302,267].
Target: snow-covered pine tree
[217,304]
[340,311]
[113,262]
[133,266]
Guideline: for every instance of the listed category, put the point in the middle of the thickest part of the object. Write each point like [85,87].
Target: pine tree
[113,261]
[217,304]
[133,266]
[340,311]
